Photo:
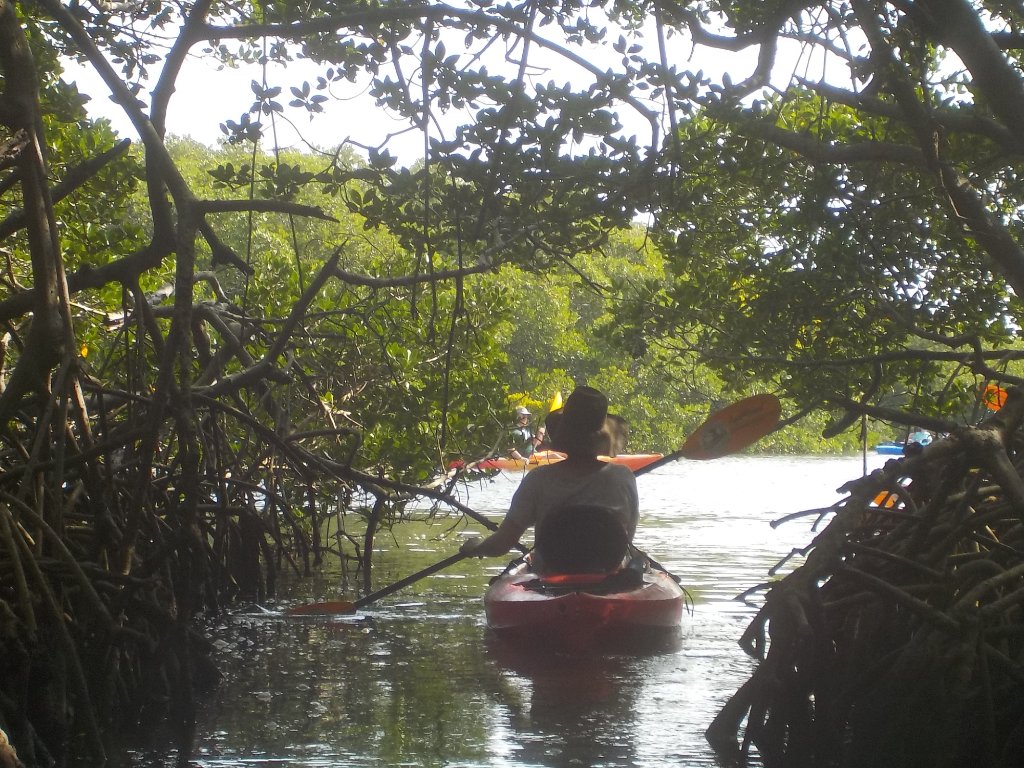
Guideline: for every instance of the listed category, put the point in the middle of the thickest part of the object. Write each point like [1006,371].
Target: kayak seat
[623,579]
[580,539]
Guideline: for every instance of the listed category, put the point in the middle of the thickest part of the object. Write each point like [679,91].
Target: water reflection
[569,710]
[416,680]
[369,692]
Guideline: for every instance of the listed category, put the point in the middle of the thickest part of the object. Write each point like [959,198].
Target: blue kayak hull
[890,449]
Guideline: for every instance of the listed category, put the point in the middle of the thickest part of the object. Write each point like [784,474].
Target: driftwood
[900,638]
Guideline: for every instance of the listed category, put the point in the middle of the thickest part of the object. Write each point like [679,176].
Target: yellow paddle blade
[556,401]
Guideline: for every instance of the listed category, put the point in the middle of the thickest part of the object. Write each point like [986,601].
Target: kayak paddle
[346,606]
[726,431]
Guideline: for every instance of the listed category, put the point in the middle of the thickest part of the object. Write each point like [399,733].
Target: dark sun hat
[581,425]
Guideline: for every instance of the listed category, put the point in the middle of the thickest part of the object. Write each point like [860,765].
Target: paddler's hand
[469,545]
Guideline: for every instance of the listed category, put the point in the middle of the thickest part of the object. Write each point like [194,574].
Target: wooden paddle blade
[326,608]
[733,428]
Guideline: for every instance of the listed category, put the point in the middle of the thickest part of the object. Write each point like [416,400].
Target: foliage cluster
[851,239]
[207,354]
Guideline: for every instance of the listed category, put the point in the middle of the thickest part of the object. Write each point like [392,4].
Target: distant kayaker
[524,441]
[602,491]
[918,435]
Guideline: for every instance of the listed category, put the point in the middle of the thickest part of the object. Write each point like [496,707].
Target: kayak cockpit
[580,612]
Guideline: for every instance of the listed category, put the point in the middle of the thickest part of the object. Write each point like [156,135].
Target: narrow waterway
[415,680]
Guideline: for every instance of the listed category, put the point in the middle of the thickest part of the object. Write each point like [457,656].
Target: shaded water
[415,680]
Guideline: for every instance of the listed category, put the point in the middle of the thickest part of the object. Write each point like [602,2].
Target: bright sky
[207,96]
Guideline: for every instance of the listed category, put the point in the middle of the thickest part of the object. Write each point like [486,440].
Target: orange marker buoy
[994,397]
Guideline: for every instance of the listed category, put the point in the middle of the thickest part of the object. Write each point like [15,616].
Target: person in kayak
[525,442]
[592,491]
[613,439]
[918,435]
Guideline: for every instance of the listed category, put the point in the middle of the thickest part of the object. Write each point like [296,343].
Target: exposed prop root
[900,638]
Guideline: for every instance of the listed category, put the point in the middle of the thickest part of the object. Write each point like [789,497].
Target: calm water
[414,680]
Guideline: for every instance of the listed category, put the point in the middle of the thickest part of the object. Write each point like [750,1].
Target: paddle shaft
[403,583]
[668,459]
[328,607]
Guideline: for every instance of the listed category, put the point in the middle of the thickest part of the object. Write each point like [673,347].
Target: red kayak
[580,612]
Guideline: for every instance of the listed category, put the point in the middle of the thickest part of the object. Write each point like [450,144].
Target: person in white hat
[589,488]
[524,441]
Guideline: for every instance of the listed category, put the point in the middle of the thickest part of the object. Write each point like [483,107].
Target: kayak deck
[582,612]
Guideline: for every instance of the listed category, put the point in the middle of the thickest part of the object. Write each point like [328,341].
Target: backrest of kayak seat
[580,538]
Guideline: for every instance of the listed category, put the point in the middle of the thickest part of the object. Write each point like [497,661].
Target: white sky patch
[208,94]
